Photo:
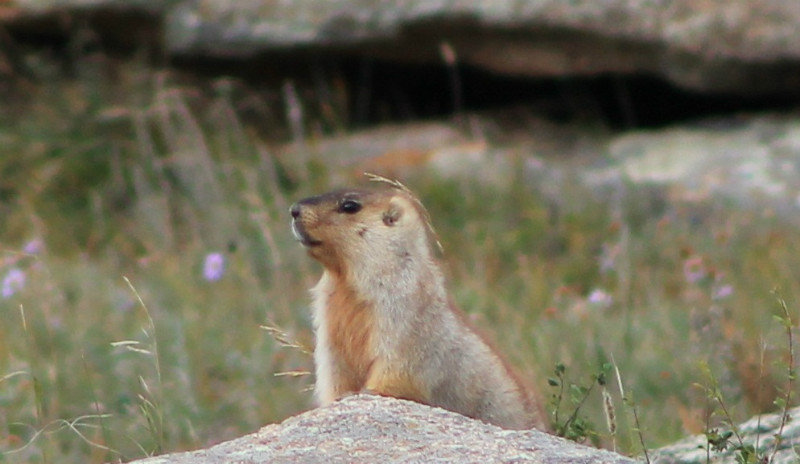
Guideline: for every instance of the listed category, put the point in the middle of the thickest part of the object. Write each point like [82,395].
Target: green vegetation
[116,341]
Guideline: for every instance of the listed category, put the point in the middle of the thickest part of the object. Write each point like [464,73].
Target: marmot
[384,322]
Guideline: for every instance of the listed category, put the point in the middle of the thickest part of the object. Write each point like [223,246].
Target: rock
[715,45]
[742,46]
[750,162]
[758,431]
[372,429]
[36,7]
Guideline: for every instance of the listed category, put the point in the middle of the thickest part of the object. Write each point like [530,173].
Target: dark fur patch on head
[392,215]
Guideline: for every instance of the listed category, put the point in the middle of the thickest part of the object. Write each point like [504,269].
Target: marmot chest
[351,326]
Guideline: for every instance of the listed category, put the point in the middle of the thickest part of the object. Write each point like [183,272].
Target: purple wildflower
[214,267]
[722,292]
[693,269]
[600,298]
[34,247]
[13,282]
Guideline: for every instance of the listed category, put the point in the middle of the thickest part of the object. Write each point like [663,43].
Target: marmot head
[366,228]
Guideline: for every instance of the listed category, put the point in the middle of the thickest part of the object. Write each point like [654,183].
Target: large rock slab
[372,429]
[743,46]
[714,45]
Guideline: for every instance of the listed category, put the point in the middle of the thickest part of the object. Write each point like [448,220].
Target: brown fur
[384,321]
[350,331]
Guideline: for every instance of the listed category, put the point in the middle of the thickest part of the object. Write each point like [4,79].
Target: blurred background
[615,185]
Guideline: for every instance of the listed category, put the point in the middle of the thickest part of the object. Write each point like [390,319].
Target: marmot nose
[295,210]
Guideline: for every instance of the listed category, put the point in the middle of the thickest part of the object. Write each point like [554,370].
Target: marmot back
[384,322]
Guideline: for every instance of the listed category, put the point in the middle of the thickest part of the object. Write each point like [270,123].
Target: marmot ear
[392,214]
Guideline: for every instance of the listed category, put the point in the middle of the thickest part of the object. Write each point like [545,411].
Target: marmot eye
[349,206]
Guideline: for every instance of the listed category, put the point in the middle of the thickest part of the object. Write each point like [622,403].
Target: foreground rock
[370,429]
[742,46]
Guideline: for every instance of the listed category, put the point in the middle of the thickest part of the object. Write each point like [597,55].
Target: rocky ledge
[748,47]
[372,429]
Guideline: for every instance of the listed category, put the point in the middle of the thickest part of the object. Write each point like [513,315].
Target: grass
[115,346]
